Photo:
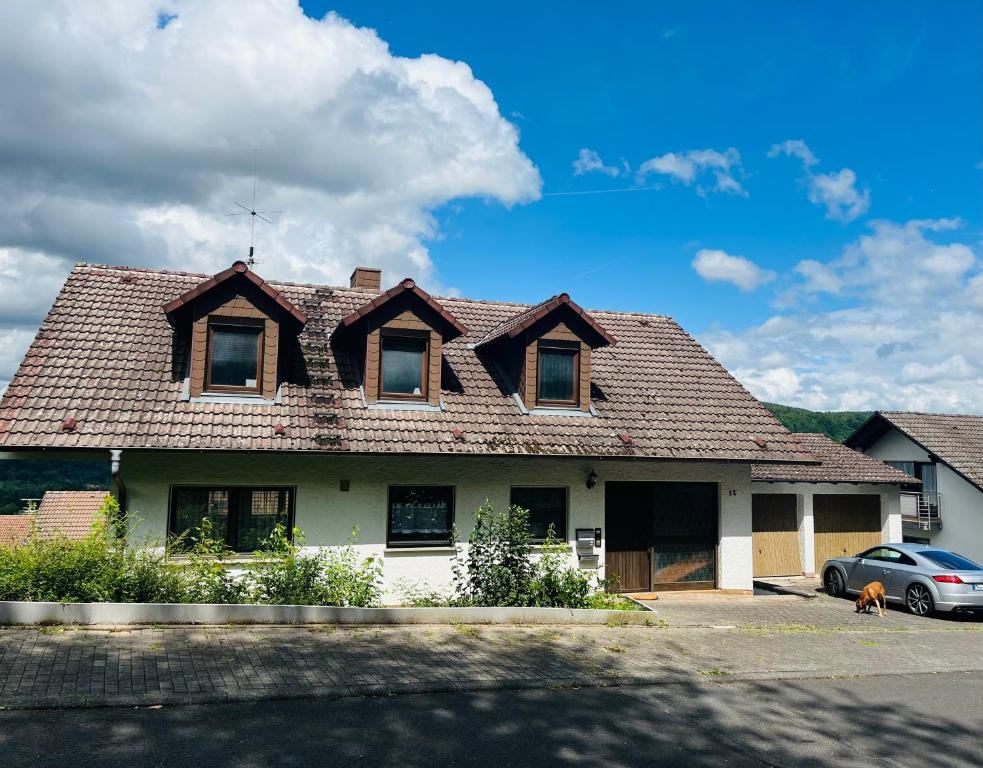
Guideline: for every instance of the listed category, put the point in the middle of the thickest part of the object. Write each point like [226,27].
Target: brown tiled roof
[68,513]
[957,439]
[14,529]
[238,268]
[839,464]
[107,357]
[404,286]
[516,324]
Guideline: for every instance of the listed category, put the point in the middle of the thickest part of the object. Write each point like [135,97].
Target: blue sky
[798,184]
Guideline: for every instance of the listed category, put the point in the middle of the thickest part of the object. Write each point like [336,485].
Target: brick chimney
[367,277]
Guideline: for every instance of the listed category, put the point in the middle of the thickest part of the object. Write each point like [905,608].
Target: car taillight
[948,579]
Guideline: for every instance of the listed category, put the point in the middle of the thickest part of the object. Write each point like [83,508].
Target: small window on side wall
[234,358]
[547,508]
[558,379]
[242,518]
[420,516]
[404,363]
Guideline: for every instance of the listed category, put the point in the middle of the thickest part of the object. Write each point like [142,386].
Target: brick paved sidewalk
[63,666]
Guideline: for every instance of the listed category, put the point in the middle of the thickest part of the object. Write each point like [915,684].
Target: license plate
[978,587]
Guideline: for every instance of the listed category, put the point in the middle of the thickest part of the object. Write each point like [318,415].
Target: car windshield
[951,560]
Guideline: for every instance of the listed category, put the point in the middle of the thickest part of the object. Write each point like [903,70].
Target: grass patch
[466,630]
[714,672]
[870,643]
[614,648]
[154,647]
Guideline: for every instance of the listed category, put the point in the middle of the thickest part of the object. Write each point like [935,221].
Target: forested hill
[838,425]
[30,479]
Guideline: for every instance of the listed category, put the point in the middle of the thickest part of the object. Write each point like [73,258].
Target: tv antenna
[253,215]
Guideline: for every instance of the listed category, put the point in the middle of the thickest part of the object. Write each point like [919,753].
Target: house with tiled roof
[15,529]
[398,413]
[945,452]
[68,514]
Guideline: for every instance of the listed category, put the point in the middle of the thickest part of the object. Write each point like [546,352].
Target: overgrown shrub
[502,569]
[324,577]
[102,568]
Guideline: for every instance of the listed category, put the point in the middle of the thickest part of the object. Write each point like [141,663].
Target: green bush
[102,568]
[502,568]
[324,577]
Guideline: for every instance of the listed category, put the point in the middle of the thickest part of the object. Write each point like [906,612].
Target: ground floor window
[420,515]
[242,517]
[546,506]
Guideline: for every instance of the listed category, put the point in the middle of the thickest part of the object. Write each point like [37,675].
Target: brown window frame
[574,350]
[233,491]
[561,535]
[421,543]
[424,336]
[222,323]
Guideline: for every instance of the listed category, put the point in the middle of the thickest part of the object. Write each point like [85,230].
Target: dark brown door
[660,535]
[775,535]
[628,518]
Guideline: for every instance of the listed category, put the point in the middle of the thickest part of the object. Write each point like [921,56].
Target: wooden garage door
[775,535]
[845,525]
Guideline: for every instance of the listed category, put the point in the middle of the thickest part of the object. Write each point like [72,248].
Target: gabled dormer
[546,351]
[402,332]
[235,323]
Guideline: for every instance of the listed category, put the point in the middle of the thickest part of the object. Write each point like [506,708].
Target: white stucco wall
[890,500]
[961,501]
[326,514]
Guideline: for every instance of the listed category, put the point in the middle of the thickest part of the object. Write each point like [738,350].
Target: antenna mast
[253,215]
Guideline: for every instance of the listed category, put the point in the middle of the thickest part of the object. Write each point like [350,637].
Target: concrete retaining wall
[181,613]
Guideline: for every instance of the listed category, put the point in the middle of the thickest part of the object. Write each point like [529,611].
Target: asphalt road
[914,720]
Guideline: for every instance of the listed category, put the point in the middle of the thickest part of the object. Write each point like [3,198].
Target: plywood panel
[775,535]
[845,524]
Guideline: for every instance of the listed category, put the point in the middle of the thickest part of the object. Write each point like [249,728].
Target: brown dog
[873,594]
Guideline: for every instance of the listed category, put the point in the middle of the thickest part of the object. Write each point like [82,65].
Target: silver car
[922,577]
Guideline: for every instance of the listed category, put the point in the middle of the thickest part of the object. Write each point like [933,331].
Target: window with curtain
[243,518]
[404,365]
[420,515]
[234,357]
[558,374]
[546,506]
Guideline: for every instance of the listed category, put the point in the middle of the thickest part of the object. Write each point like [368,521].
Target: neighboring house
[14,529]
[804,515]
[68,513]
[398,413]
[946,453]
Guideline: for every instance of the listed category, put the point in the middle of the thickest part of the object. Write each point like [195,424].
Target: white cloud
[837,192]
[588,161]
[694,164]
[910,338]
[122,142]
[720,266]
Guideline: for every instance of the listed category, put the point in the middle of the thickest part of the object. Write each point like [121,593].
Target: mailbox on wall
[588,542]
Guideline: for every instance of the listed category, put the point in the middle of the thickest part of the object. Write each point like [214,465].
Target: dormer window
[404,366]
[234,323]
[235,357]
[546,349]
[403,331]
[558,376]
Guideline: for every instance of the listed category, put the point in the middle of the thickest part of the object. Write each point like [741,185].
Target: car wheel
[919,600]
[834,583]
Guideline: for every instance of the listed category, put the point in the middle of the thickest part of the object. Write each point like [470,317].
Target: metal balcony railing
[921,510]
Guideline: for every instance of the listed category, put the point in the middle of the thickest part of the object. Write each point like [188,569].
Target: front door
[660,536]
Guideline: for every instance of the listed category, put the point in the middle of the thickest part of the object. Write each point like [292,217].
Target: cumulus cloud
[588,161]
[720,266]
[837,192]
[699,165]
[123,140]
[908,337]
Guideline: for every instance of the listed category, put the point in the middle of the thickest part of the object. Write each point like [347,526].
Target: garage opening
[775,535]
[661,536]
[845,524]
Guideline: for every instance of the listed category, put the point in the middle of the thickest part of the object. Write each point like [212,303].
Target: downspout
[117,486]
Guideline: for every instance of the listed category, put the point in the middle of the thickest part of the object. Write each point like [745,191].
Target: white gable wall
[962,502]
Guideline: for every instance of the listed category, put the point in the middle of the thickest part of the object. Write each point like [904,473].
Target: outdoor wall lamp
[591,479]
